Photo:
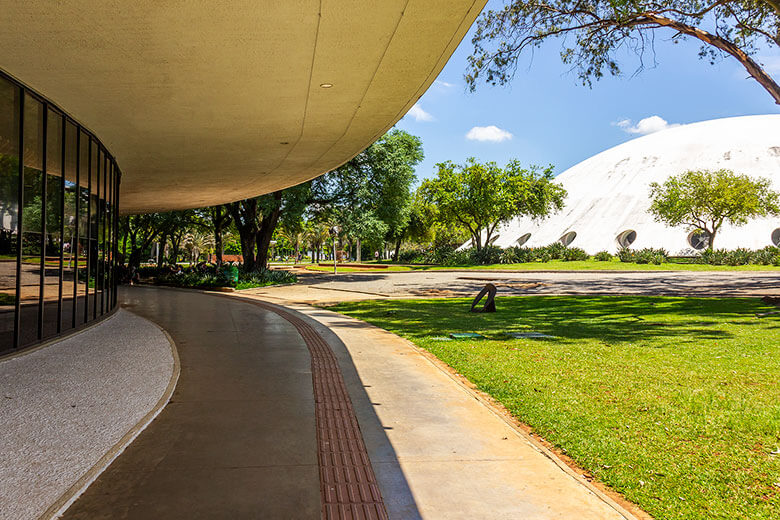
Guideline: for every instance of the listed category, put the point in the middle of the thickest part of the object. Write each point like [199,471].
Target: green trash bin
[229,275]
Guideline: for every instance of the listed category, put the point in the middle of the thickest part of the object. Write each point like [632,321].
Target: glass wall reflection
[57,211]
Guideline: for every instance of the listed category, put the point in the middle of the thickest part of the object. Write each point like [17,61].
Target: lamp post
[334,233]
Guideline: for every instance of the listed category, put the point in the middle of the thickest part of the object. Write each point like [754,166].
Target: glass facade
[59,190]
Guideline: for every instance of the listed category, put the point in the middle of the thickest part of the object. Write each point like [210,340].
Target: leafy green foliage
[603,256]
[595,33]
[480,197]
[647,255]
[768,256]
[706,200]
[210,277]
[370,197]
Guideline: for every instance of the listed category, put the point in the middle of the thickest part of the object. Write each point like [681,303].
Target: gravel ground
[66,405]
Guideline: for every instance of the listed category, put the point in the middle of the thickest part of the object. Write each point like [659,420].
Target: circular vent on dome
[776,237]
[699,239]
[523,239]
[626,238]
[568,238]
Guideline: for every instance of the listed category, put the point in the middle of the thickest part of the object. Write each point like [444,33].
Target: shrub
[460,257]
[508,256]
[571,254]
[556,250]
[643,256]
[544,255]
[739,256]
[626,255]
[411,256]
[770,255]
[714,257]
[603,256]
[486,255]
[209,277]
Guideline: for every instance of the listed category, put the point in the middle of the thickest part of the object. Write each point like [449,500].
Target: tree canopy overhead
[479,196]
[594,31]
[706,200]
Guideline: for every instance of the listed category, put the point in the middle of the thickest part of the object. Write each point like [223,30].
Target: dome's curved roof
[609,194]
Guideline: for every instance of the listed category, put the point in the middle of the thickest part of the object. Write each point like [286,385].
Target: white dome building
[609,194]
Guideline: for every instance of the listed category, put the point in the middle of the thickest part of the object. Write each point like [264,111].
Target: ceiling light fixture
[326,85]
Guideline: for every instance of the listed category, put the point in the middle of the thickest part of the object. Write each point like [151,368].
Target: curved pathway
[278,410]
[238,439]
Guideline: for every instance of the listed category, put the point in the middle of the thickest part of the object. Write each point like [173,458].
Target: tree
[596,31]
[256,220]
[704,200]
[479,197]
[218,219]
[141,231]
[370,195]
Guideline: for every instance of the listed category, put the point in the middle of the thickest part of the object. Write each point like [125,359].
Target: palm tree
[195,242]
[295,237]
[318,234]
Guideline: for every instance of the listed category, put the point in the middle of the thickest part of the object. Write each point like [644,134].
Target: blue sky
[553,119]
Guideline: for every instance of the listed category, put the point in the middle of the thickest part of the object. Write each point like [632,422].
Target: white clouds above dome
[488,133]
[608,194]
[648,125]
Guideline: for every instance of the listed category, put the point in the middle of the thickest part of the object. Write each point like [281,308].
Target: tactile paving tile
[348,486]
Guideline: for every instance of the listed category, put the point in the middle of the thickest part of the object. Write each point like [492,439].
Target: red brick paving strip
[347,482]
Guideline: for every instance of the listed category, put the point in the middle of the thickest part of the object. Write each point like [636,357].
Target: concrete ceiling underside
[205,102]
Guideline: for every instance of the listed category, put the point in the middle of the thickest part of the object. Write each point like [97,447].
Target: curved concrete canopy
[204,102]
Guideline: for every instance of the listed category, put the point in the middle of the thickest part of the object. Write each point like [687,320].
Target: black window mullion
[115,208]
[102,237]
[97,232]
[76,240]
[62,226]
[111,237]
[42,277]
[19,221]
[89,229]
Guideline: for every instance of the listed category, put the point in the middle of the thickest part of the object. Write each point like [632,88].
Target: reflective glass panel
[9,207]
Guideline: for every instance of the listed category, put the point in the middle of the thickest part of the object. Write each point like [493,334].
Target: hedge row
[518,255]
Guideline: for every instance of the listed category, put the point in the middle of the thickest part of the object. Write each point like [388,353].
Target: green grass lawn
[674,402]
[560,265]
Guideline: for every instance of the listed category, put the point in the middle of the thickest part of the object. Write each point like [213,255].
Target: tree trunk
[397,251]
[358,250]
[175,243]
[266,232]
[161,254]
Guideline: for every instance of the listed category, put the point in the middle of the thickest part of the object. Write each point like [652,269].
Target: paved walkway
[238,438]
[67,408]
[247,434]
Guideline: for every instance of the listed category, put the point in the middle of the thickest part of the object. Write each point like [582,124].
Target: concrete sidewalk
[69,407]
[237,439]
[437,451]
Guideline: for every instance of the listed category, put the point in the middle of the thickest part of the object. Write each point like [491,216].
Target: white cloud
[419,114]
[645,126]
[444,84]
[488,133]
